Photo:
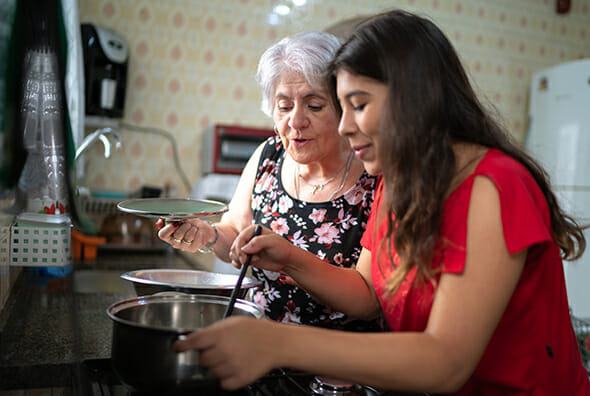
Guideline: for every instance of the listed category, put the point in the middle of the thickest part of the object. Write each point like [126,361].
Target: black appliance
[106,57]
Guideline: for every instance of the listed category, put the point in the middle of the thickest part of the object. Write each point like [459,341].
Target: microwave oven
[227,148]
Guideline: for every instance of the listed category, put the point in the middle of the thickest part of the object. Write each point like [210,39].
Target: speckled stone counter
[50,324]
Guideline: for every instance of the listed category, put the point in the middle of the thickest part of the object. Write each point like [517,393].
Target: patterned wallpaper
[192,65]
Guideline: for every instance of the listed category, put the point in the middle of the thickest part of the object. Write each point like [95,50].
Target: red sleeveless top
[533,351]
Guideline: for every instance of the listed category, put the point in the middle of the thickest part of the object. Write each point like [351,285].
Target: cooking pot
[152,281]
[144,329]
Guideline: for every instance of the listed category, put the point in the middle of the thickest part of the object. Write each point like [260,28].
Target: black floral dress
[331,230]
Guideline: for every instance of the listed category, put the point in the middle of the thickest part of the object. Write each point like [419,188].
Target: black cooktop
[97,378]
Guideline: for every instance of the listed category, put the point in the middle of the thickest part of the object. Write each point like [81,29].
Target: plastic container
[38,240]
[4,264]
[4,244]
[85,247]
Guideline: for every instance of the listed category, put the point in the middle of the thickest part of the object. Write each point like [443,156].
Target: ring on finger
[177,240]
[186,242]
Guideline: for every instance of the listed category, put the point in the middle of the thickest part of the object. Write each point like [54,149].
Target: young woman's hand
[238,350]
[269,250]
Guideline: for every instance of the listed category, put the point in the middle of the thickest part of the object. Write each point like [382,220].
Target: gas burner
[332,387]
[325,386]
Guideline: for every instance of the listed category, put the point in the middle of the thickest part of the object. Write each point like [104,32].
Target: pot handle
[189,358]
[182,336]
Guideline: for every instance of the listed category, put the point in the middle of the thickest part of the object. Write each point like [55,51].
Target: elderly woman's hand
[189,235]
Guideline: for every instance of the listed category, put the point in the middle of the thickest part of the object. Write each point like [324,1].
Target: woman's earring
[274,127]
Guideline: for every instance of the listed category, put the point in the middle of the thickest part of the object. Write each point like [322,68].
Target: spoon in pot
[234,294]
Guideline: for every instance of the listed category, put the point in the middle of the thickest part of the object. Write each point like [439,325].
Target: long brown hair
[431,106]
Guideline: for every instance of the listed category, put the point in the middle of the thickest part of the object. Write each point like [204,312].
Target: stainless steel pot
[152,281]
[144,329]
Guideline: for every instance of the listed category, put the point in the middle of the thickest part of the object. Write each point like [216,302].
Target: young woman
[463,250]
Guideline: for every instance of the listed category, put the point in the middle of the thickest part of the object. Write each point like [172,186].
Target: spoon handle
[234,294]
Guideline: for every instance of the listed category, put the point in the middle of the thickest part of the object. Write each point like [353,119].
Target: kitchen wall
[192,64]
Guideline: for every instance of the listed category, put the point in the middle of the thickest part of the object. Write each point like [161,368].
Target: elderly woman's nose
[298,118]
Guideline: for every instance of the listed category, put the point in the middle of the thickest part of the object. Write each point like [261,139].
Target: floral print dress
[331,230]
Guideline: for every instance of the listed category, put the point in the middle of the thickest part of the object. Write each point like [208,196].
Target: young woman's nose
[346,125]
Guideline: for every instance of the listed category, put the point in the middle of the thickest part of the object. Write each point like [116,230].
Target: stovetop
[97,378]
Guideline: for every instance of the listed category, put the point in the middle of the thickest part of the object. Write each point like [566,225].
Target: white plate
[174,209]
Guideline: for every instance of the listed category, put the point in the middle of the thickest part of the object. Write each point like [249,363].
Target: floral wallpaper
[192,65]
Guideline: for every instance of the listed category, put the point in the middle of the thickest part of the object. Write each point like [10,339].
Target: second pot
[150,281]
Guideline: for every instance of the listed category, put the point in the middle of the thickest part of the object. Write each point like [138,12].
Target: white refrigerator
[559,138]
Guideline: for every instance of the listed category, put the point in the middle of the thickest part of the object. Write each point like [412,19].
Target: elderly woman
[304,184]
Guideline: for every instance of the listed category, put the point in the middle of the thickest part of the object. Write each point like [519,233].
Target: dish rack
[98,208]
[582,330]
[137,234]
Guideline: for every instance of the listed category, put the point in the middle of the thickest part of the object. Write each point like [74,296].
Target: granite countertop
[50,324]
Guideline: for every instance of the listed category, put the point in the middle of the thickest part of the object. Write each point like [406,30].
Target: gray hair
[308,53]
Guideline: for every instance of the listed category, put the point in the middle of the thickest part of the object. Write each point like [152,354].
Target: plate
[172,208]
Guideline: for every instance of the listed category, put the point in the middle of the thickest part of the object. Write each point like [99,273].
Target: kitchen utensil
[172,209]
[144,329]
[238,286]
[152,281]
